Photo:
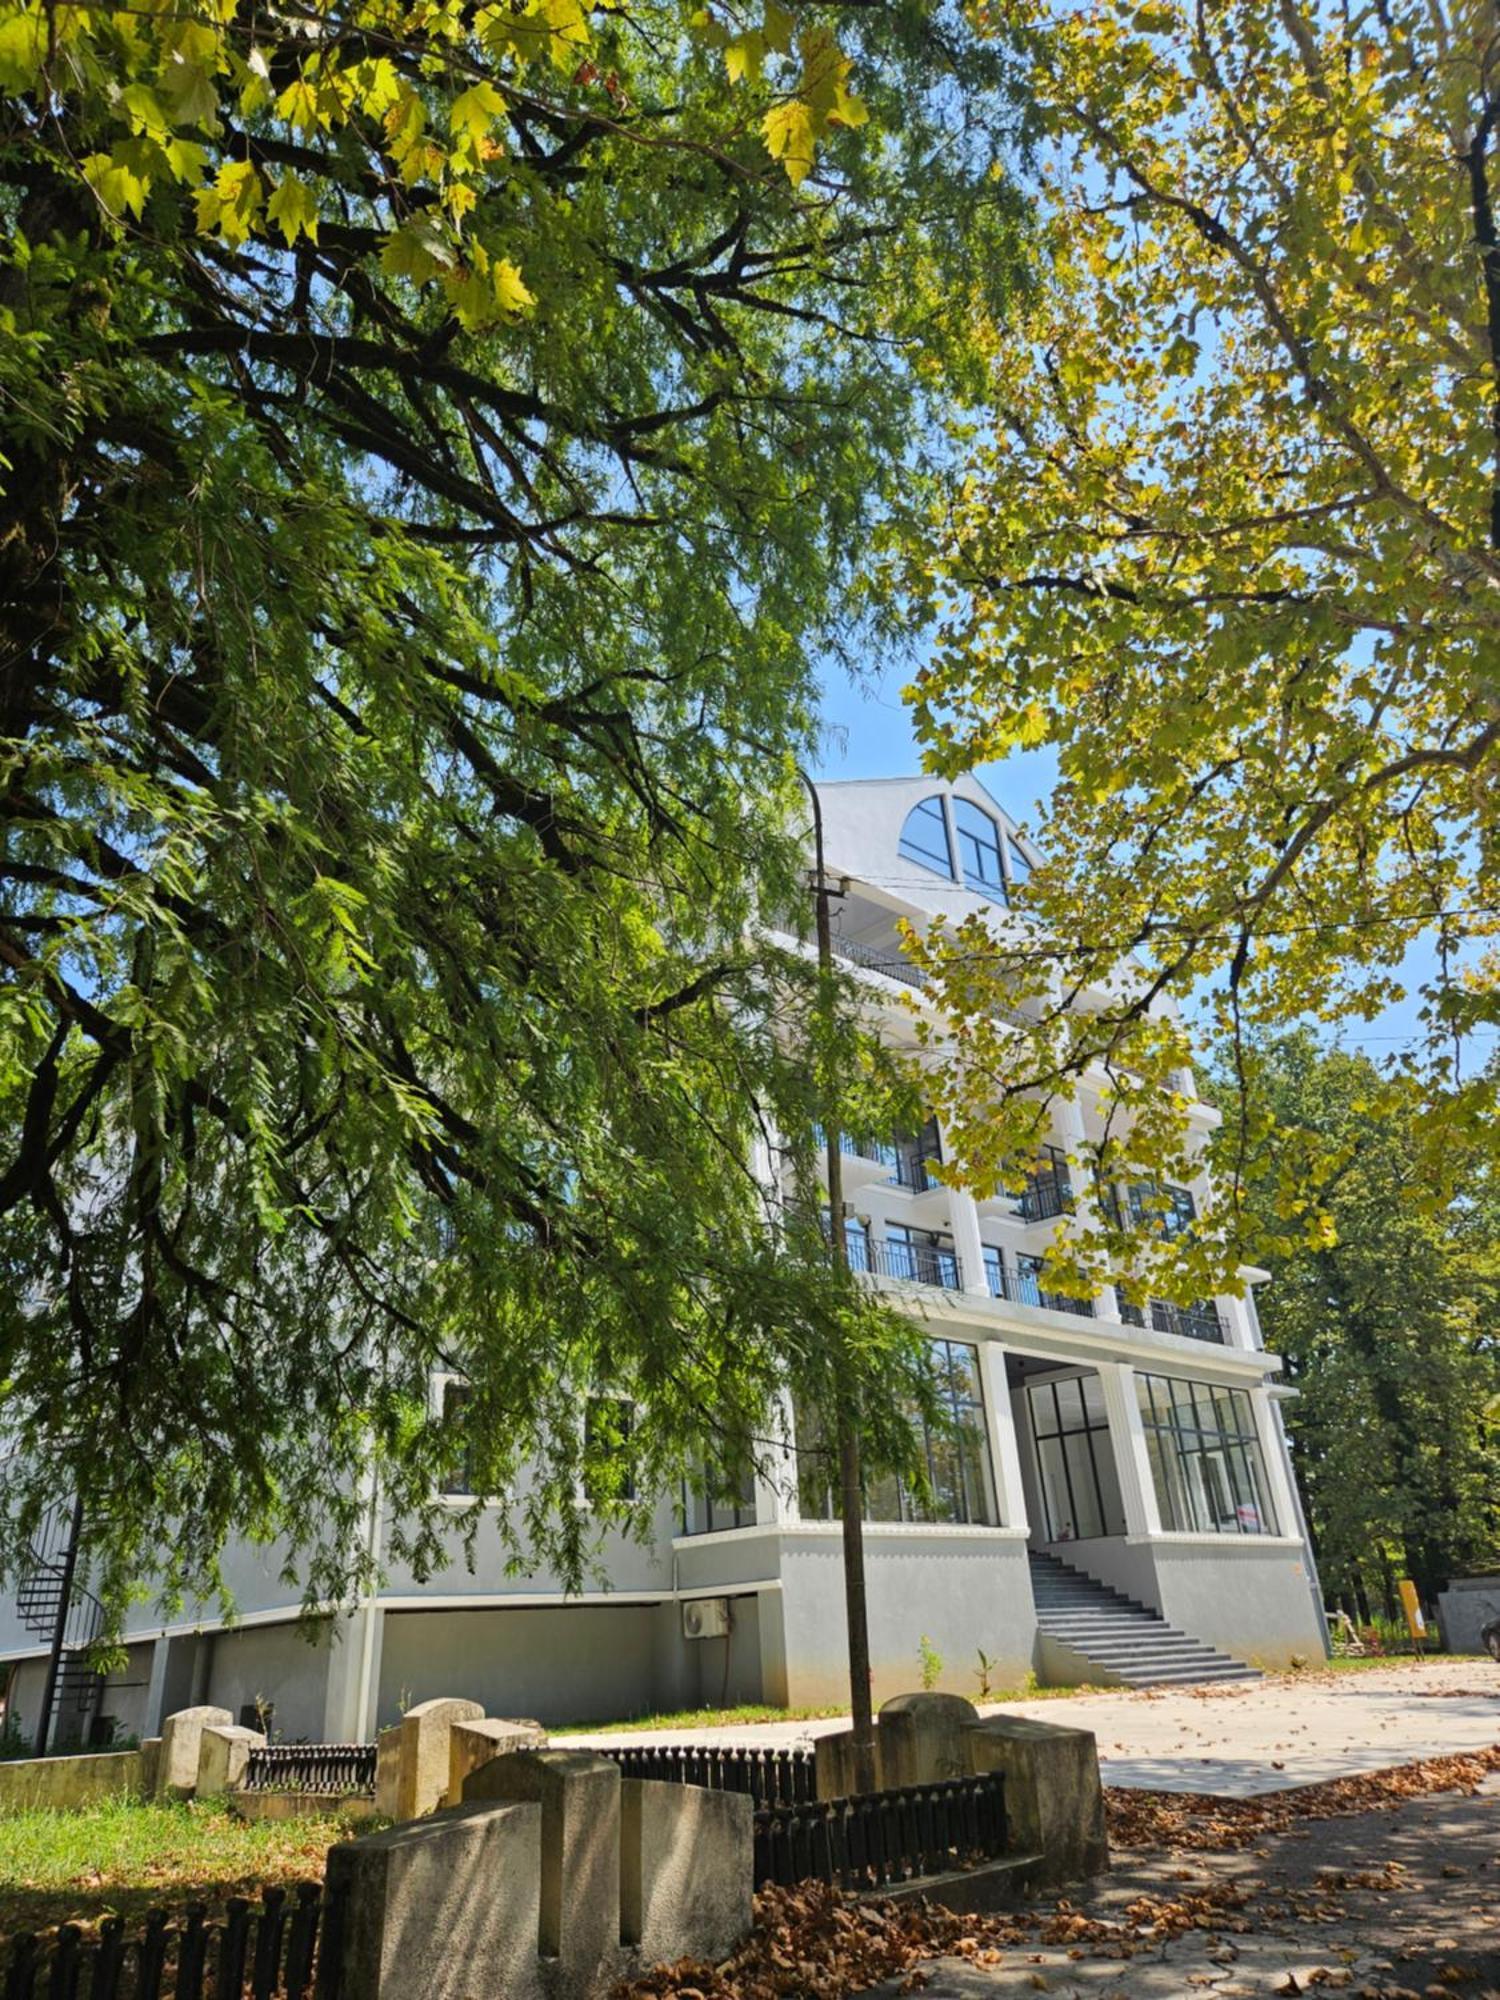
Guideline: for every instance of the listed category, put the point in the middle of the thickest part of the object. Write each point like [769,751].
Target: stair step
[1125,1639]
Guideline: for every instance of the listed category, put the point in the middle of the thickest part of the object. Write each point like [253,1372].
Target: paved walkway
[1384,1906]
[1242,1738]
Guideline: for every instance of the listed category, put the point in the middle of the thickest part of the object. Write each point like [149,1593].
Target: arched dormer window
[979,845]
[924,837]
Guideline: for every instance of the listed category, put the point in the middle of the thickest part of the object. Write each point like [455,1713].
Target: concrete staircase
[1118,1638]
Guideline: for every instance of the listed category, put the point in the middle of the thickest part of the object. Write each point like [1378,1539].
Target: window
[1205,1457]
[1075,1461]
[1020,867]
[856,1240]
[458,1478]
[1170,1211]
[924,837]
[706,1513]
[923,1256]
[1031,1292]
[957,1456]
[979,850]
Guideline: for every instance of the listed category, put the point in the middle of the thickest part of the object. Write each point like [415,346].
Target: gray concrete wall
[1465,1608]
[1245,1594]
[583,1663]
[124,1695]
[962,1588]
[59,1783]
[273,1663]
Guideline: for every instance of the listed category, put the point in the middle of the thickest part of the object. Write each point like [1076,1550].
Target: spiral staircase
[48,1579]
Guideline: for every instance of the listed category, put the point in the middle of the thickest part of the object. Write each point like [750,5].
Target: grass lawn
[120,1857]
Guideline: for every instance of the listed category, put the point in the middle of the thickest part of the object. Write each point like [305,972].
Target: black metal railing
[245,1954]
[873,959]
[918,1263]
[914,1172]
[1199,1322]
[771,1777]
[1049,1187]
[311,1767]
[876,1839]
[858,1147]
[1024,1287]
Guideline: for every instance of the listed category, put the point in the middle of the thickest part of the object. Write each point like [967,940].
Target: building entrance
[1075,1461]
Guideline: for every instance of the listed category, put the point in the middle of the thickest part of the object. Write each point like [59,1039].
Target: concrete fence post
[579,1917]
[471,1744]
[687,1859]
[411,1760]
[177,1760]
[222,1757]
[1054,1802]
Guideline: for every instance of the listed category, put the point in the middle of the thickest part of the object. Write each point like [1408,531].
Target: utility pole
[851,1483]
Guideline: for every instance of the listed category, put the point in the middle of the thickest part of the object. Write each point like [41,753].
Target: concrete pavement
[1239,1739]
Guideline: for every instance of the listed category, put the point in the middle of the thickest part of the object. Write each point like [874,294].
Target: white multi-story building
[1115,1502]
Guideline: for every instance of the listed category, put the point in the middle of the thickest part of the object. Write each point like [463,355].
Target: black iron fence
[877,1839]
[771,1777]
[245,1954]
[311,1767]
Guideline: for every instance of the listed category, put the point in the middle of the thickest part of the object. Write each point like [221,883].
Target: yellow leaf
[23,48]
[298,105]
[293,209]
[190,91]
[474,110]
[788,132]
[510,292]
[417,251]
[119,189]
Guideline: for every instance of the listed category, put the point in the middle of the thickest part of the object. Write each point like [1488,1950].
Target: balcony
[1022,1285]
[875,958]
[1199,1322]
[915,1263]
[853,1147]
[1049,1187]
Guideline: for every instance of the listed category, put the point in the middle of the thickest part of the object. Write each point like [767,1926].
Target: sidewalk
[1235,1740]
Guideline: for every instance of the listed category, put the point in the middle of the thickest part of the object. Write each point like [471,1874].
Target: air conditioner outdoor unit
[705,1618]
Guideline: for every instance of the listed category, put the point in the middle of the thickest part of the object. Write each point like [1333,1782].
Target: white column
[1275,1458]
[1241,1321]
[1000,1423]
[963,1218]
[1070,1125]
[1127,1436]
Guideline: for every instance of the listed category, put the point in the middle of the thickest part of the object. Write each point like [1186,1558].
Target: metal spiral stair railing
[39,1598]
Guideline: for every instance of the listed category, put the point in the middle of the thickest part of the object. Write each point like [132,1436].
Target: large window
[924,837]
[1075,1460]
[956,1453]
[1169,1211]
[979,850]
[1205,1457]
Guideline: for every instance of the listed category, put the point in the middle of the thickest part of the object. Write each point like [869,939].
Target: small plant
[932,1663]
[13,1743]
[983,1673]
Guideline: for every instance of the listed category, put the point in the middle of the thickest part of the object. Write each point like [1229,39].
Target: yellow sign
[1411,1604]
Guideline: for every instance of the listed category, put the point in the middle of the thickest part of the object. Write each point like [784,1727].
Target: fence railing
[1199,1322]
[245,1954]
[873,959]
[876,1839]
[918,1263]
[771,1777]
[311,1767]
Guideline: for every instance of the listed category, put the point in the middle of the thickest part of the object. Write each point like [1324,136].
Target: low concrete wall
[1247,1596]
[961,1589]
[60,1783]
[1465,1608]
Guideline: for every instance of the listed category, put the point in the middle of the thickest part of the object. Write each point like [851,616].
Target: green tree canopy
[1388,1327]
[1231,545]
[435,441]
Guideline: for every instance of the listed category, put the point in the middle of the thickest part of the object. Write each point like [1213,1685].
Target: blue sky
[868,734]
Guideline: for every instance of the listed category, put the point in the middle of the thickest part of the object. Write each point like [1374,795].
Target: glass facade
[979,850]
[957,1457]
[1205,1457]
[1075,1461]
[924,837]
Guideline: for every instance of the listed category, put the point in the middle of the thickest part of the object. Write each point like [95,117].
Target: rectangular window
[1169,1211]
[912,1253]
[956,1455]
[458,1480]
[1205,1456]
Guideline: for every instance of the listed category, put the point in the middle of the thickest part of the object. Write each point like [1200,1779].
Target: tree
[436,439]
[1388,1327]
[1232,547]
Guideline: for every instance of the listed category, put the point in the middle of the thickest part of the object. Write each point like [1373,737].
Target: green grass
[120,1856]
[699,1718]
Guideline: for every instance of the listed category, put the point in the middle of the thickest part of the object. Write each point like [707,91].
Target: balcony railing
[917,1263]
[873,959]
[859,1148]
[914,1172]
[1199,1322]
[1021,1284]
